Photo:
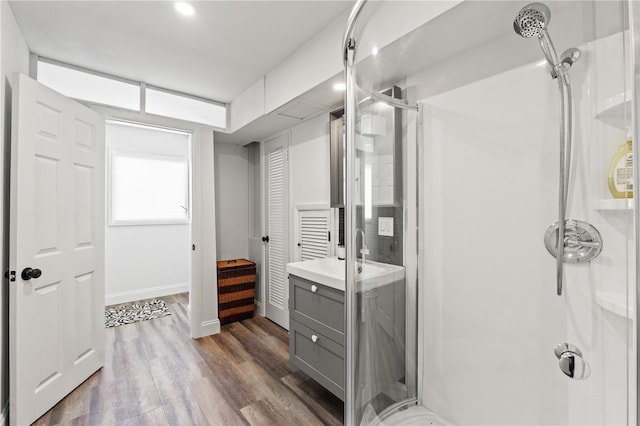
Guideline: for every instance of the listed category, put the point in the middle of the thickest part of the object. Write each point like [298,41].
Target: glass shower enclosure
[490,218]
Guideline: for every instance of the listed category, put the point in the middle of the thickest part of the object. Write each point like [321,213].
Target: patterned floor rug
[128,314]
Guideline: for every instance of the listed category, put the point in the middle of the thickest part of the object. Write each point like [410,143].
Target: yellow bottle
[621,172]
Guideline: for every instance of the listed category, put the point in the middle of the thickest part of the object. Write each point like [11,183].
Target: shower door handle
[571,362]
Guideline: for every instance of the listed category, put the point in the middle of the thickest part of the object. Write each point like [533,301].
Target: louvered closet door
[277,223]
[313,234]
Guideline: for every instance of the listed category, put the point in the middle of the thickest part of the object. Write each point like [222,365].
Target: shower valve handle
[571,362]
[575,242]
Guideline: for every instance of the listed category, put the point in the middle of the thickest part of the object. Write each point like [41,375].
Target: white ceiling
[216,54]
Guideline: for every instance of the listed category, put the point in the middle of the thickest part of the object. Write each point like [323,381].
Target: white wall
[309,169]
[309,162]
[490,315]
[14,58]
[232,201]
[146,261]
[319,59]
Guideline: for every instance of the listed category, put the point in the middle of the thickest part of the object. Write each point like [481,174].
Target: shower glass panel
[453,139]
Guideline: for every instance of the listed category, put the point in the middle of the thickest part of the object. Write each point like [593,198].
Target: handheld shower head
[532,20]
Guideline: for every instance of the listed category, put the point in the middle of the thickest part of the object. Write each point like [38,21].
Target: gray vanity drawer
[322,309]
[323,359]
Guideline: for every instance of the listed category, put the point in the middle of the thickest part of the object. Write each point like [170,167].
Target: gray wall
[14,58]
[232,201]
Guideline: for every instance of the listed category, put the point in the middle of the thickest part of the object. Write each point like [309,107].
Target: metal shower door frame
[634,27]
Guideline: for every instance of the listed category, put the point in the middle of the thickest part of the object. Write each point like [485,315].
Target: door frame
[108,191]
[203,287]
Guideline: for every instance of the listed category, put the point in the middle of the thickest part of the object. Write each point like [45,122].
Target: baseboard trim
[145,293]
[4,419]
[260,309]
[206,328]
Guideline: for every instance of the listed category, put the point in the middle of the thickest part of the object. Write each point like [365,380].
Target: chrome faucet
[364,251]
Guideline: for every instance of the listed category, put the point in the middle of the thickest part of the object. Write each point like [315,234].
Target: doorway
[148,199]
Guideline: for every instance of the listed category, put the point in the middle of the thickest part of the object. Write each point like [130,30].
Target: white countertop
[331,272]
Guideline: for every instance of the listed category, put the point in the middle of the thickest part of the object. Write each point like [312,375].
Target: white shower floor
[414,416]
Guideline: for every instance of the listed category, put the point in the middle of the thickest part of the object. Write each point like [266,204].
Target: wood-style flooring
[155,374]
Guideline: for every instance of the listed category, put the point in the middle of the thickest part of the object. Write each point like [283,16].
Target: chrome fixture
[582,241]
[364,251]
[571,362]
[532,21]
[570,56]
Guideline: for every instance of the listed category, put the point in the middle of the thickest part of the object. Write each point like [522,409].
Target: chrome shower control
[571,362]
[582,241]
[570,56]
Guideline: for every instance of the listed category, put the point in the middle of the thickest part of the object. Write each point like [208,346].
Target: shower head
[532,20]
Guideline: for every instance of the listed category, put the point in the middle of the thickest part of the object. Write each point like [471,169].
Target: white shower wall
[490,314]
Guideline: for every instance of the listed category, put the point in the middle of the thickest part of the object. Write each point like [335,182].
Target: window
[148,175]
[89,87]
[185,108]
[108,90]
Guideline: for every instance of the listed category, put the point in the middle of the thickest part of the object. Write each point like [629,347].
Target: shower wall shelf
[616,111]
[615,303]
[614,204]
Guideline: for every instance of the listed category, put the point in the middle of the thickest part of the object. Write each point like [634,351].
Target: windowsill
[149,223]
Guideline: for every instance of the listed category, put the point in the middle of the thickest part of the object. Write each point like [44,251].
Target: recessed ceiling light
[339,87]
[185,8]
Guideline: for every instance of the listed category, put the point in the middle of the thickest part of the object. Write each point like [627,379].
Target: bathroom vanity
[316,314]
[316,332]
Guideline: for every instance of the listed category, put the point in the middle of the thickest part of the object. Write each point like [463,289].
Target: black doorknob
[265,239]
[28,273]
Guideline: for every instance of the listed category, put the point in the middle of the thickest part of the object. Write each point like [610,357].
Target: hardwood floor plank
[273,329]
[320,401]
[232,348]
[184,411]
[280,396]
[213,403]
[274,343]
[152,417]
[155,374]
[276,363]
[263,413]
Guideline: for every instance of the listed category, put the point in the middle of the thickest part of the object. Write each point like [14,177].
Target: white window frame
[150,156]
[189,97]
[35,59]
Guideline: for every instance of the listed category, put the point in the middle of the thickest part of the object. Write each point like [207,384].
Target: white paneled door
[56,326]
[277,224]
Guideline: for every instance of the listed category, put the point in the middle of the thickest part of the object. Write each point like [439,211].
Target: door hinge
[11,275]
